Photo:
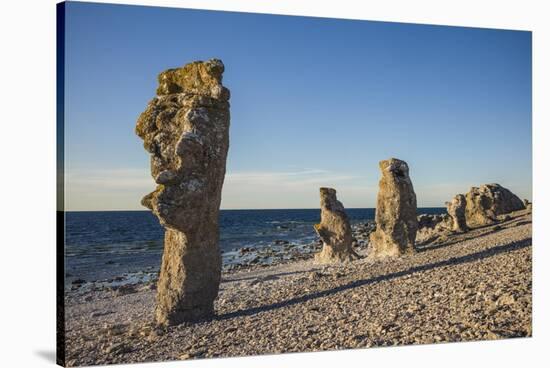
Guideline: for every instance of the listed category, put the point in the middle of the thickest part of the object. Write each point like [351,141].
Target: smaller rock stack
[396,222]
[334,230]
[480,206]
[456,209]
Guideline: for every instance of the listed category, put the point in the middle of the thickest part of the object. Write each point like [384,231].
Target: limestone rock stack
[334,230]
[396,222]
[485,203]
[480,206]
[437,228]
[185,128]
[456,209]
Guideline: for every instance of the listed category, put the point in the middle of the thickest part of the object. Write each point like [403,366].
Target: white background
[27,182]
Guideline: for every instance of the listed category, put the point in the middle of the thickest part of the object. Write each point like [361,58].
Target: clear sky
[314,102]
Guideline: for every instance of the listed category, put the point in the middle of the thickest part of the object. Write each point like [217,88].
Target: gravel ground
[475,286]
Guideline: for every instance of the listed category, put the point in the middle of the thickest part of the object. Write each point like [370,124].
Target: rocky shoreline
[242,259]
[462,287]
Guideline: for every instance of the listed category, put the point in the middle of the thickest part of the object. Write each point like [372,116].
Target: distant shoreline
[110,245]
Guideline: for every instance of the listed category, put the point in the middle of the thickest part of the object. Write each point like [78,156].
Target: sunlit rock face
[334,230]
[485,203]
[396,222]
[456,209]
[481,206]
[185,128]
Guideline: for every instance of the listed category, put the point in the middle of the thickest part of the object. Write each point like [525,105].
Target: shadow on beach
[272,277]
[487,230]
[449,262]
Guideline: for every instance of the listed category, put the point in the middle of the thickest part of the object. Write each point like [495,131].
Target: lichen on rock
[396,222]
[185,128]
[334,230]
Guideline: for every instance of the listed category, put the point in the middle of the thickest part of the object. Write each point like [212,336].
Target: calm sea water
[126,244]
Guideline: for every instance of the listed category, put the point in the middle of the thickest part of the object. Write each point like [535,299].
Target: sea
[126,246]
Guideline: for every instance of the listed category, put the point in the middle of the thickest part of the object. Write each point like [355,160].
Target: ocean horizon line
[248,209]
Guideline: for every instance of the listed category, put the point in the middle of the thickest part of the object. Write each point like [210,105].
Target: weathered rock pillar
[456,208]
[334,230]
[396,222]
[186,130]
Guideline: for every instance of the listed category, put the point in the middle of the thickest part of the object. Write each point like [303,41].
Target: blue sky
[314,102]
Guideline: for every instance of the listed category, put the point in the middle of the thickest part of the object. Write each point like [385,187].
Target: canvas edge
[60,185]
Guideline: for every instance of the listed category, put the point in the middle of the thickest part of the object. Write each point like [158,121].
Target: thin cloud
[115,179]
[291,189]
[123,188]
[288,178]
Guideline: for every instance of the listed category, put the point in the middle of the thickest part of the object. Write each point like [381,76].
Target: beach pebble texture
[475,286]
[396,222]
[334,230]
[185,128]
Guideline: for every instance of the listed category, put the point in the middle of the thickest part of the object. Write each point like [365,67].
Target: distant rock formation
[486,203]
[426,221]
[334,230]
[434,222]
[528,205]
[396,222]
[437,228]
[434,228]
[456,209]
[186,131]
[480,206]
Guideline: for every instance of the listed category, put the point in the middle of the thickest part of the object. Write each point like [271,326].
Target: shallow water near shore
[120,247]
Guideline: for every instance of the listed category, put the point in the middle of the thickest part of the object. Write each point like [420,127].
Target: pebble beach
[473,286]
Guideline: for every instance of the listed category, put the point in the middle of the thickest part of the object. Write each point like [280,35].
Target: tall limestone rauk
[334,230]
[396,222]
[185,128]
